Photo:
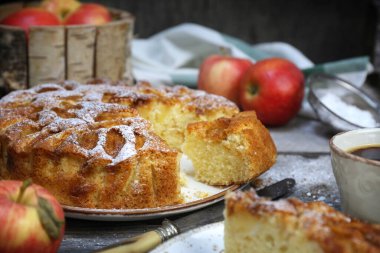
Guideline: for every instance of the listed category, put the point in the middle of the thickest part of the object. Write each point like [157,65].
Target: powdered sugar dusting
[89,111]
[127,151]
[313,175]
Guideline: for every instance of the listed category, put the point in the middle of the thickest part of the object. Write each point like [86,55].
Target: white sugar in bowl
[341,105]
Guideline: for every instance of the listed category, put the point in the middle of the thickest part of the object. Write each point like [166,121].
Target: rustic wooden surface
[46,54]
[80,46]
[56,53]
[128,46]
[110,51]
[303,155]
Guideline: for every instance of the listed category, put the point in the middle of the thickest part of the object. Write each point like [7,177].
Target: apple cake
[102,146]
[229,150]
[254,224]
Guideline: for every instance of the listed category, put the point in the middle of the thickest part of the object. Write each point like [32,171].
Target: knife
[278,189]
[149,240]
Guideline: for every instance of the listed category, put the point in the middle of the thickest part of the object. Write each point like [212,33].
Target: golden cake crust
[94,145]
[333,231]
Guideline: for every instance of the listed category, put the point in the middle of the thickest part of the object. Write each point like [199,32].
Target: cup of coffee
[355,158]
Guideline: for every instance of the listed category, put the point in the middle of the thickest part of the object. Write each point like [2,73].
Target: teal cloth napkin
[360,65]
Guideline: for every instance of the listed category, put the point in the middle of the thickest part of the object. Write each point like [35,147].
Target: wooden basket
[56,53]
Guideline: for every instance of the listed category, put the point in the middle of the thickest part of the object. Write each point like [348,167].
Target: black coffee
[369,152]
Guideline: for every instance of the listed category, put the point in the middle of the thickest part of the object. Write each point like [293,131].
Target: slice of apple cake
[229,150]
[254,224]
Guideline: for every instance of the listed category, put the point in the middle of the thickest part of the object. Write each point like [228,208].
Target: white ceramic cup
[358,178]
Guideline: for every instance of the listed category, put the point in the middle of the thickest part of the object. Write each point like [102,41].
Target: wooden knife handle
[142,243]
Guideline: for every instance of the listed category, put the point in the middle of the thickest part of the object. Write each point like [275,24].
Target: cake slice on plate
[254,224]
[229,150]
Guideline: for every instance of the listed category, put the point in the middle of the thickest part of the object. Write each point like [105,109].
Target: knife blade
[278,189]
[214,213]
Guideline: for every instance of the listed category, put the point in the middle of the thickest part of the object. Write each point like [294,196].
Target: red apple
[27,17]
[89,14]
[221,75]
[31,219]
[274,88]
[60,8]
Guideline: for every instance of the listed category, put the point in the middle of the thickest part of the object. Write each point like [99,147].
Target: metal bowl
[340,104]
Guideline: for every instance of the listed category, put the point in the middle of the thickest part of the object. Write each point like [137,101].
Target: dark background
[324,30]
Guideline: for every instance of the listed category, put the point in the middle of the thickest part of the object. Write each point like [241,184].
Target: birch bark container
[56,53]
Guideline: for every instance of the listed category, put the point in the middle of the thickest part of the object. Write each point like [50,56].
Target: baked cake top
[51,95]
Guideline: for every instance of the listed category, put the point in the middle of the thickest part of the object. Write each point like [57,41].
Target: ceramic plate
[206,239]
[197,195]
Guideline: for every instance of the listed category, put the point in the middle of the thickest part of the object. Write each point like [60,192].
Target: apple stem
[253,89]
[23,187]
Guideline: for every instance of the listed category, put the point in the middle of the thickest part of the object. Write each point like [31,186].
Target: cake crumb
[183,180]
[201,195]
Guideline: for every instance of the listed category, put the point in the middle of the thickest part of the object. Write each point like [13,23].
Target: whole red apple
[89,14]
[221,75]
[31,219]
[274,88]
[27,17]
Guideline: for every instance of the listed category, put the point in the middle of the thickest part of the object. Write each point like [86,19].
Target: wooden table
[303,154]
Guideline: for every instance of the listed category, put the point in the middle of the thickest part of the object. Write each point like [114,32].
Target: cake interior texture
[229,150]
[254,224]
[170,120]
